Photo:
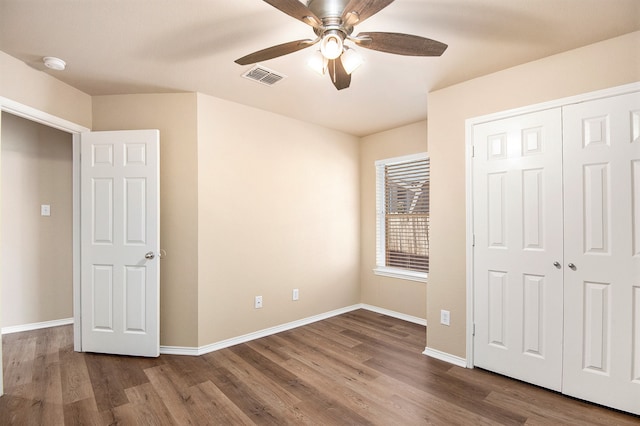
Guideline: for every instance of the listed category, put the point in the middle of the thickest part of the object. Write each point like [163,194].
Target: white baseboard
[394,314]
[36,325]
[180,350]
[443,356]
[195,351]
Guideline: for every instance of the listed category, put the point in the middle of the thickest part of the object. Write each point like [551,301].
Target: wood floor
[360,368]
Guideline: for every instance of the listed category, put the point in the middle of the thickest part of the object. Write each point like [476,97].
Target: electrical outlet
[296,294]
[445,317]
[45,210]
[258,302]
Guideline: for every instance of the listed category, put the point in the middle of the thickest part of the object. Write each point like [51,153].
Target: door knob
[572,266]
[149,255]
[556,264]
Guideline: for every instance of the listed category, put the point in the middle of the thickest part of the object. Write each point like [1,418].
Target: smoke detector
[54,63]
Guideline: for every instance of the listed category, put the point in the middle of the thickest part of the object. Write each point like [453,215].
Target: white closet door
[602,251]
[517,173]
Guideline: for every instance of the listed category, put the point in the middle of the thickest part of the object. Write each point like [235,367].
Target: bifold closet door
[602,251]
[517,209]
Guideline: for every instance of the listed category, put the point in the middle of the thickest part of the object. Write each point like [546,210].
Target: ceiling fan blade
[297,10]
[339,76]
[359,10]
[400,44]
[275,51]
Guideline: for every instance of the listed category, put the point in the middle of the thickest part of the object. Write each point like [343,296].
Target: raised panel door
[119,242]
[517,225]
[602,237]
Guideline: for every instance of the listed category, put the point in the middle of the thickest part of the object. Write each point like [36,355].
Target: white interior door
[517,209]
[119,242]
[602,243]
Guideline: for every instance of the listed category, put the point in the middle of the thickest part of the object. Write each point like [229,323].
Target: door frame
[469,125]
[38,116]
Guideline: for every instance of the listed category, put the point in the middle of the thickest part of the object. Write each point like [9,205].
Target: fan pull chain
[335,77]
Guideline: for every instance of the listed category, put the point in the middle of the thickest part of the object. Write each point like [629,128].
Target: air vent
[263,75]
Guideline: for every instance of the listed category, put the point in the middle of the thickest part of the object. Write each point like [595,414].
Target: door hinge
[473,150]
[473,329]
[473,240]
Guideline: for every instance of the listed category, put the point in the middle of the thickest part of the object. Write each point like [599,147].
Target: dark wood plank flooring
[360,368]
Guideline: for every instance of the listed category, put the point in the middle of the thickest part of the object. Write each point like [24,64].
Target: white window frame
[381,268]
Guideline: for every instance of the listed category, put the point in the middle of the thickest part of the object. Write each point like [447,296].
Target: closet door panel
[602,258]
[518,232]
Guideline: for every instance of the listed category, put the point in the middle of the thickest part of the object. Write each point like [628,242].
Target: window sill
[401,273]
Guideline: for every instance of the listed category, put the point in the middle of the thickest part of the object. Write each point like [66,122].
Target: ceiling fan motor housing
[330,12]
[327,8]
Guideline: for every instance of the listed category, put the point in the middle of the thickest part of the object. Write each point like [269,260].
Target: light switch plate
[45,210]
[445,317]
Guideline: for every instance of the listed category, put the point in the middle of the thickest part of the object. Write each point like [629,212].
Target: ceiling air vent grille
[263,75]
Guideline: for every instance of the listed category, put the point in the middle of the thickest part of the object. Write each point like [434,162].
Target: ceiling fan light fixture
[331,45]
[318,63]
[351,60]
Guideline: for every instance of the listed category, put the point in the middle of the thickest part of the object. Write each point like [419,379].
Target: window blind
[406,210]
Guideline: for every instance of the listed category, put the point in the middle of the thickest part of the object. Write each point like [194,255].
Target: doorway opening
[35,115]
[37,225]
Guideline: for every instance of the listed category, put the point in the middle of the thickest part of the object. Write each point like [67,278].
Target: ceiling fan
[333,22]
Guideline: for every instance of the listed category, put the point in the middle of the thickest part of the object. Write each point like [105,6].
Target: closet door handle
[557,264]
[572,266]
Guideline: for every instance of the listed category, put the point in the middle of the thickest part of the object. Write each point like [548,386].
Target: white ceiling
[152,46]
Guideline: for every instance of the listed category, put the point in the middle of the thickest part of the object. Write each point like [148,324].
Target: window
[402,204]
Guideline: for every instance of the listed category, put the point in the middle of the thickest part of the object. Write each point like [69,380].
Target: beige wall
[404,296]
[278,209]
[23,84]
[175,116]
[36,250]
[598,66]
